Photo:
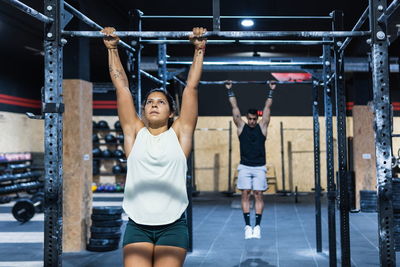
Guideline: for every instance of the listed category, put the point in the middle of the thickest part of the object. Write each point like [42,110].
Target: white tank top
[155,188]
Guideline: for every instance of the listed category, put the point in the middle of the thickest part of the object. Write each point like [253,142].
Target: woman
[155,195]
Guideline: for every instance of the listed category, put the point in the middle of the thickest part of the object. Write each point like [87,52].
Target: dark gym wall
[21,73]
[20,90]
[289,100]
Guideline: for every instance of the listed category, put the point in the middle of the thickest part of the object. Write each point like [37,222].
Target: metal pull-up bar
[237,17]
[224,34]
[250,63]
[241,42]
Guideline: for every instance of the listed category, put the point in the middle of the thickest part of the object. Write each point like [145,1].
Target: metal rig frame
[57,13]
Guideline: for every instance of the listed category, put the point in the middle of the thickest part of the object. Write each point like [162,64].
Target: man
[252,170]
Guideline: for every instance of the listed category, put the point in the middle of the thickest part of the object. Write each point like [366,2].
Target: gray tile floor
[288,236]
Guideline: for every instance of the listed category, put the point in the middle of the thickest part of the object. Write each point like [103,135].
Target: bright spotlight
[247,22]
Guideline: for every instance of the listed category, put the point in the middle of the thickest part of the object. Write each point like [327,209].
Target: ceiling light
[247,22]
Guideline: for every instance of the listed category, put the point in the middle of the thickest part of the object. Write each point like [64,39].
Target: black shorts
[175,234]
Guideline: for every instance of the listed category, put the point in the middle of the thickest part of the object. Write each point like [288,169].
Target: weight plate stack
[396,195]
[368,200]
[105,232]
[396,211]
[101,245]
[396,231]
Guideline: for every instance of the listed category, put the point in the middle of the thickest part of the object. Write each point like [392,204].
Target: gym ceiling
[22,35]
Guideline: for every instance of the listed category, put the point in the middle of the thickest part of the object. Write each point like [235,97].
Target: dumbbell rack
[19,176]
[115,145]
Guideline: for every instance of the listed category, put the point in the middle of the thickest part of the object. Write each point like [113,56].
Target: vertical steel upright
[53,108]
[230,191]
[193,156]
[380,82]
[189,188]
[340,93]
[329,156]
[216,16]
[317,167]
[283,158]
[162,64]
[135,74]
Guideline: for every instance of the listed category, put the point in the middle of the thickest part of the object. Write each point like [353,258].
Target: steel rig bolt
[380,35]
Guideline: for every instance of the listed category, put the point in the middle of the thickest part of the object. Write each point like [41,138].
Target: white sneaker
[257,232]
[248,232]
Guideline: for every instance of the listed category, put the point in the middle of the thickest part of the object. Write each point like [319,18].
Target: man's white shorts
[253,178]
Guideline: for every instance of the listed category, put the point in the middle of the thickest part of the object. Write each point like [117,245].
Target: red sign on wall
[285,77]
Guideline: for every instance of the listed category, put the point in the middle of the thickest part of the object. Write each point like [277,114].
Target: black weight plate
[106,235]
[111,223]
[23,210]
[105,217]
[369,201]
[101,248]
[368,206]
[368,210]
[103,242]
[107,210]
[100,230]
[374,196]
[367,192]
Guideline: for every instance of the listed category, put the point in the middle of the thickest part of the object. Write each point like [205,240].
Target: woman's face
[156,109]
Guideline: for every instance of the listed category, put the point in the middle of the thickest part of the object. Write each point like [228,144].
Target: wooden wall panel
[77,153]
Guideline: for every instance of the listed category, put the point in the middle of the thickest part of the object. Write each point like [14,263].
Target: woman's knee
[138,254]
[169,256]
